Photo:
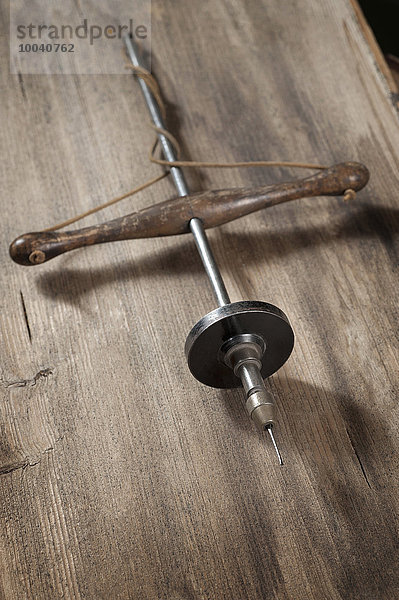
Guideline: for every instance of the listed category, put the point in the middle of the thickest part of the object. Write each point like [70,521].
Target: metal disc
[214,329]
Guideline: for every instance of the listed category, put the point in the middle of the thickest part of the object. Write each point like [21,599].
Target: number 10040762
[46,48]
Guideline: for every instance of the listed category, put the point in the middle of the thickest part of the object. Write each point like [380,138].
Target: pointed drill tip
[269,429]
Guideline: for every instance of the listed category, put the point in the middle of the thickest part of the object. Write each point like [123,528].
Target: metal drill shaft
[196,226]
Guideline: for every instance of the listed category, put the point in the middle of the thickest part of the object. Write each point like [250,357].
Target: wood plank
[121,476]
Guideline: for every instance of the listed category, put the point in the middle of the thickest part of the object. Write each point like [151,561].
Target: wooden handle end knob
[34,248]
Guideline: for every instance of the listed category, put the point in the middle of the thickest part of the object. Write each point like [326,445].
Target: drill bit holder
[241,343]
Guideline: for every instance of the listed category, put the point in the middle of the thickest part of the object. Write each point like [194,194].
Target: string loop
[153,86]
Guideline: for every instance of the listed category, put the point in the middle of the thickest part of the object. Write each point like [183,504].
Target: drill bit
[269,429]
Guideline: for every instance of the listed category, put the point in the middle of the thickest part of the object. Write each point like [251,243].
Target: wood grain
[121,476]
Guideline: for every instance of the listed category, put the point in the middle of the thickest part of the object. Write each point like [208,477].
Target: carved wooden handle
[172,217]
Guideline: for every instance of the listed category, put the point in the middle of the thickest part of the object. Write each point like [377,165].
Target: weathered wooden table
[121,476]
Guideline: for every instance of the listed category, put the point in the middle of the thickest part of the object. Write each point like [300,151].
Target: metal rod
[196,226]
[208,260]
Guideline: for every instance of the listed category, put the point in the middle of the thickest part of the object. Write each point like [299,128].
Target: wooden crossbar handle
[172,217]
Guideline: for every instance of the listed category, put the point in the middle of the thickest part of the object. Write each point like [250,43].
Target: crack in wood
[42,374]
[21,85]
[28,462]
[26,316]
[361,466]
[10,468]
[359,461]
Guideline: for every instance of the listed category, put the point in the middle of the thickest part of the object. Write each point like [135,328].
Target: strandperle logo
[85,37]
[82,31]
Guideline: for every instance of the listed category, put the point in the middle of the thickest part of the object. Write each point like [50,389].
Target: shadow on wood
[353,497]
[367,221]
